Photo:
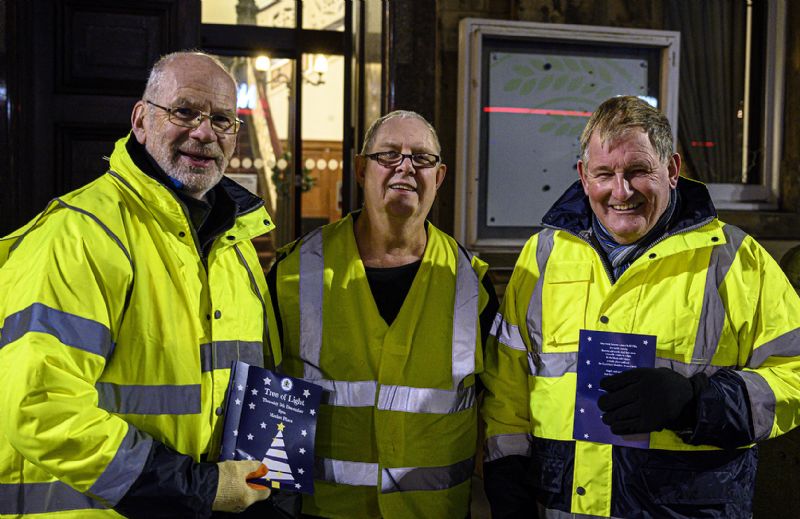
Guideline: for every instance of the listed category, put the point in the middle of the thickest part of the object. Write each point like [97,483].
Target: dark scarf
[621,256]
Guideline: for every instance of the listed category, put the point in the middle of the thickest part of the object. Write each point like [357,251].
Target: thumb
[258,473]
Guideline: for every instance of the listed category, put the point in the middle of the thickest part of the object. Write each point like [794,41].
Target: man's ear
[674,170]
[360,169]
[137,122]
[441,172]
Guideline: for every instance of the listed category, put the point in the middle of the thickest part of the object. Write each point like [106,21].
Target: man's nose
[406,165]
[622,189]
[204,132]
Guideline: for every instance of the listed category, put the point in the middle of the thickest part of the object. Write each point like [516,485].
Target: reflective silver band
[503,445]
[425,400]
[221,354]
[42,498]
[544,246]
[70,329]
[787,345]
[557,364]
[762,403]
[426,478]
[353,473]
[123,470]
[507,334]
[164,399]
[348,394]
[553,364]
[312,285]
[712,315]
[465,319]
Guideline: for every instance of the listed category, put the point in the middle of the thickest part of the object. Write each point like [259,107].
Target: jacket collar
[161,200]
[572,212]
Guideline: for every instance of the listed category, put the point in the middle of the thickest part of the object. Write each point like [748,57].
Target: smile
[403,187]
[625,207]
[197,159]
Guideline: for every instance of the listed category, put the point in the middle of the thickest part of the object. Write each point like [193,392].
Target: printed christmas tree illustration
[275,460]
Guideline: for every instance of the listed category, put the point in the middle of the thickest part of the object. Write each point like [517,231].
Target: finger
[627,427]
[260,472]
[626,396]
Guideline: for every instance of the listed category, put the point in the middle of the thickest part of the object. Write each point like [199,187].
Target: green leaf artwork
[558,84]
[575,83]
[513,84]
[544,83]
[546,127]
[527,87]
[522,70]
[572,64]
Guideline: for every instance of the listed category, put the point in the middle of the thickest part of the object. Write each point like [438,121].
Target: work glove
[234,492]
[643,400]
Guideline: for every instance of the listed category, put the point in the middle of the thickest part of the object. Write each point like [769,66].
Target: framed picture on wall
[526,90]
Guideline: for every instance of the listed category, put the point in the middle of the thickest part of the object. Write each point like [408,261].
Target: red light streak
[535,111]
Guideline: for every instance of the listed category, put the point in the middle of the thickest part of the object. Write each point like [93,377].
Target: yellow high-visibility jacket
[116,335]
[396,436]
[717,303]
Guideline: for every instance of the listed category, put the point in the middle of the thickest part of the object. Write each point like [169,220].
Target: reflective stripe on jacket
[115,333]
[717,303]
[396,434]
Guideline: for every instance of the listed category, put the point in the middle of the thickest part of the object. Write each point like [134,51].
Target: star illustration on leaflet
[278,470]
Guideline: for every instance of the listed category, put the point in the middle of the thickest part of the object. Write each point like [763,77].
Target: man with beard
[122,306]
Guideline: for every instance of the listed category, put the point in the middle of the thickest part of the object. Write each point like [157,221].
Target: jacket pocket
[686,487]
[564,298]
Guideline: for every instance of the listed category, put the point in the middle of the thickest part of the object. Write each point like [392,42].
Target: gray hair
[156,78]
[617,116]
[369,136]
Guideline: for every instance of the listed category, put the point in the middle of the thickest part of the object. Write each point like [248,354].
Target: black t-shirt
[390,287]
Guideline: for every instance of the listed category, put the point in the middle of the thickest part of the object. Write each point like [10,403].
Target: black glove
[642,400]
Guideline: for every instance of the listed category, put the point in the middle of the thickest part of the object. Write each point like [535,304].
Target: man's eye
[390,155]
[221,120]
[185,113]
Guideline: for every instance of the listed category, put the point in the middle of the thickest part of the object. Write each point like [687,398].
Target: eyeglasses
[192,118]
[394,158]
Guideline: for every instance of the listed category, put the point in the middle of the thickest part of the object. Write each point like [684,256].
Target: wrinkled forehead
[200,79]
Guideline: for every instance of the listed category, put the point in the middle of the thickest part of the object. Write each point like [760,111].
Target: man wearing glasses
[122,306]
[388,314]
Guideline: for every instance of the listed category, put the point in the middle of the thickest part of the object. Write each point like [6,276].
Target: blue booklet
[601,354]
[272,418]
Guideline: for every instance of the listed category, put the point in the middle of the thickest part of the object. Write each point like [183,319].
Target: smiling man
[389,314]
[122,306]
[633,248]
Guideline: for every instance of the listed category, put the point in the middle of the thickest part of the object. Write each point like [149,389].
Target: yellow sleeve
[63,291]
[506,404]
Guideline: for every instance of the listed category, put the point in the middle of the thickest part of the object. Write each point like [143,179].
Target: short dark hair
[618,115]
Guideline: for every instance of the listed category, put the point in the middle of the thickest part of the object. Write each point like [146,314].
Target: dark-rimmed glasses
[192,118]
[394,158]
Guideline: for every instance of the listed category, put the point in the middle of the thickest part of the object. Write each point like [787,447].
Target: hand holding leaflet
[272,418]
[643,400]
